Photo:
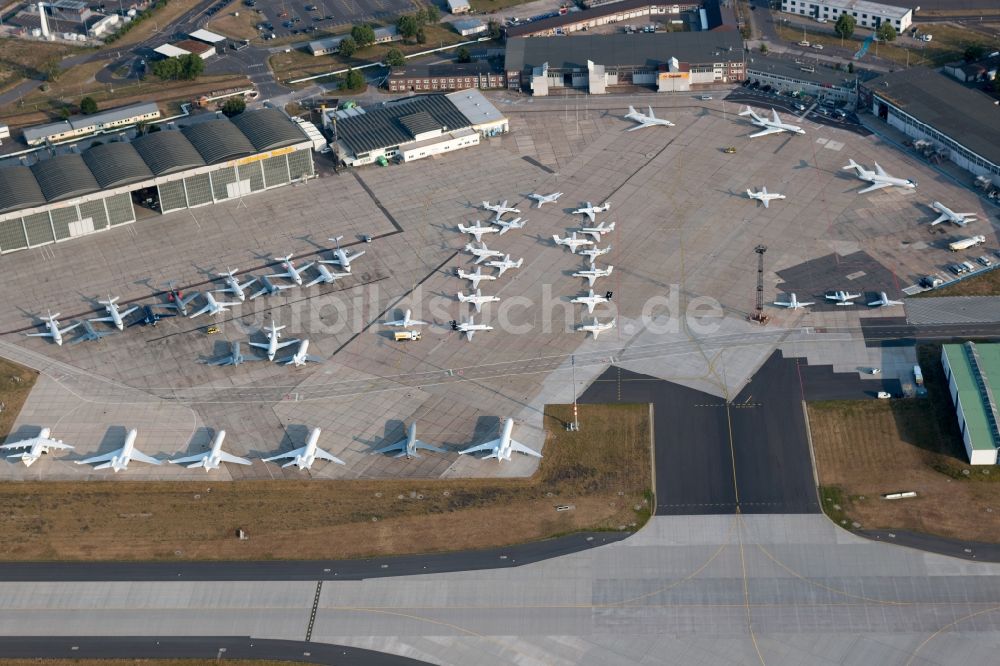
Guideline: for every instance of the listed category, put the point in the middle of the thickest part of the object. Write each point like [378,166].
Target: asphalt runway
[858,272]
[820,382]
[750,456]
[310,570]
[194,647]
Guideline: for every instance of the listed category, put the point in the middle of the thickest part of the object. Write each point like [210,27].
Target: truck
[966,243]
[918,376]
[407,335]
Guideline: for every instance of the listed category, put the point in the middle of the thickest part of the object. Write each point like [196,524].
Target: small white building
[459,6]
[330,45]
[469,27]
[970,369]
[866,14]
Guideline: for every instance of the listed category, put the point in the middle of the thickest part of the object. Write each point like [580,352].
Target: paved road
[194,647]
[967,550]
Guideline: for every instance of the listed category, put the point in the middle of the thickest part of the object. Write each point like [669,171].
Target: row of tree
[187,67]
[845,25]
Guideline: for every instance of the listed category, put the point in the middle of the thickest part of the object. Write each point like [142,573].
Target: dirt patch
[25,59]
[15,385]
[229,24]
[865,449]
[602,473]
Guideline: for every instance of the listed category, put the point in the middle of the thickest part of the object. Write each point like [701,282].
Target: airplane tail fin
[631,110]
[852,165]
[747,111]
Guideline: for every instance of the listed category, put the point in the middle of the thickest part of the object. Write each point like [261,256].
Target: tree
[432,14]
[394,58]
[348,47]
[191,66]
[407,26]
[974,52]
[167,69]
[187,67]
[850,68]
[51,69]
[234,106]
[845,25]
[353,80]
[421,36]
[886,33]
[493,29]
[64,112]
[363,34]
[463,55]
[745,32]
[763,48]
[88,106]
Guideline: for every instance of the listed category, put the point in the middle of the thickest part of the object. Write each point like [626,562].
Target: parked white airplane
[546,198]
[879,178]
[272,345]
[176,300]
[304,457]
[793,303]
[843,297]
[326,276]
[476,277]
[772,125]
[36,447]
[477,230]
[234,358]
[598,231]
[645,120]
[213,458]
[593,273]
[482,253]
[505,263]
[213,306]
[764,196]
[948,215]
[233,285]
[52,329]
[594,252]
[405,322]
[596,327]
[478,299]
[302,356]
[268,288]
[502,448]
[590,210]
[507,225]
[119,460]
[470,327]
[572,242]
[342,258]
[590,300]
[292,272]
[884,301]
[408,445]
[114,314]
[499,209]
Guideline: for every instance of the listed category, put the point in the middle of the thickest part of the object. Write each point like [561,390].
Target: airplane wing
[879,170]
[226,360]
[642,125]
[521,448]
[469,333]
[941,219]
[259,345]
[230,458]
[427,447]
[189,459]
[28,443]
[323,455]
[139,456]
[187,299]
[589,214]
[874,303]
[287,454]
[769,130]
[312,358]
[129,311]
[99,459]
[401,444]
[207,308]
[248,283]
[108,319]
[872,188]
[488,446]
[282,345]
[765,202]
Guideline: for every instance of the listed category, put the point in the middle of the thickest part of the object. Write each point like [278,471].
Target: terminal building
[812,78]
[866,14]
[414,127]
[210,159]
[925,105]
[482,74]
[665,62]
[971,370]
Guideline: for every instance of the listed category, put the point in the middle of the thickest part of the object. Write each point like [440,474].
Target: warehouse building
[481,74]
[971,370]
[923,104]
[211,159]
[666,62]
[414,127]
[866,14]
[76,127]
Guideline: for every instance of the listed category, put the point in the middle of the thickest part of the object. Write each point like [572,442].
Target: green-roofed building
[972,371]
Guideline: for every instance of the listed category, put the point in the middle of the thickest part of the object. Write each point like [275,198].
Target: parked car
[818,47]
[985,261]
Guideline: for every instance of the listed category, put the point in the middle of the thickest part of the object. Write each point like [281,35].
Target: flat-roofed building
[866,14]
[330,45]
[481,74]
[666,62]
[807,77]
[924,104]
[972,371]
[79,126]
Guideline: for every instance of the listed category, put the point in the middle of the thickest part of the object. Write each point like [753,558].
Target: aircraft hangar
[203,161]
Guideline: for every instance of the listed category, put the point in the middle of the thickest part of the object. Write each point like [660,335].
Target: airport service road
[737,589]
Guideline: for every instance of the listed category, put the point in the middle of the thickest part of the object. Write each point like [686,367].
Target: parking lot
[299,17]
[684,240]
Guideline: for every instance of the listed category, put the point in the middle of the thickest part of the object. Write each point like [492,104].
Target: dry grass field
[15,385]
[603,472]
[23,59]
[987,284]
[867,448]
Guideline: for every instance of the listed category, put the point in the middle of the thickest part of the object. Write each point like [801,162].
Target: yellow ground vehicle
[407,335]
[211,330]
[729,150]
